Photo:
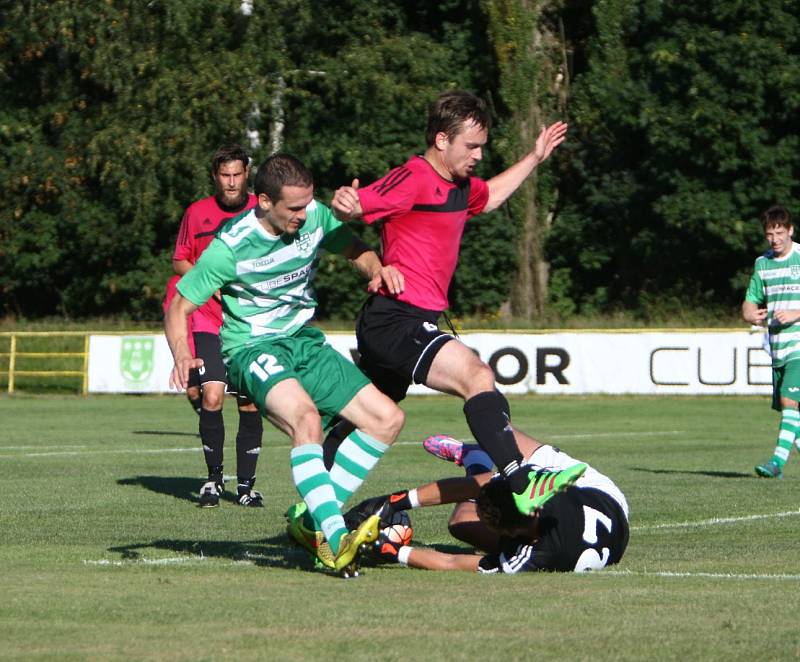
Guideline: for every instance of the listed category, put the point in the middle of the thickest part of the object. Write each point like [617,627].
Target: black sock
[197,403]
[336,435]
[212,435]
[489,419]
[248,444]
[215,474]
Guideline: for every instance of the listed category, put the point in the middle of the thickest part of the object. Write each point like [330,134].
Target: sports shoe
[350,546]
[247,496]
[545,484]
[769,470]
[210,493]
[303,536]
[445,447]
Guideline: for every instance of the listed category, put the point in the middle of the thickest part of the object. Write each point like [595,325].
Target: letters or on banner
[718,362]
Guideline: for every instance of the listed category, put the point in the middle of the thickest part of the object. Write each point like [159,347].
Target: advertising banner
[707,362]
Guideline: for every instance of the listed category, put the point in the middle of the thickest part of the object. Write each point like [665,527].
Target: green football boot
[544,484]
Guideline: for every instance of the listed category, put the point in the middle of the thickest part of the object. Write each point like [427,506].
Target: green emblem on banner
[136,358]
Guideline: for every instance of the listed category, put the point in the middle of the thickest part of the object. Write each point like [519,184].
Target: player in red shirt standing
[230,171]
[424,205]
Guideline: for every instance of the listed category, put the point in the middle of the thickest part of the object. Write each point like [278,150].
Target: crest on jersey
[303,243]
[136,358]
[794,271]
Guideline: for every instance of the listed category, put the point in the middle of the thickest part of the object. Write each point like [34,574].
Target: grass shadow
[712,474]
[167,433]
[180,487]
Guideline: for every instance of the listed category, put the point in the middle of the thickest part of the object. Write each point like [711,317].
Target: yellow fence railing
[17,350]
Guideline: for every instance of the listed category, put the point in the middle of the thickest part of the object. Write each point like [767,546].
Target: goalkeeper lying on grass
[582,526]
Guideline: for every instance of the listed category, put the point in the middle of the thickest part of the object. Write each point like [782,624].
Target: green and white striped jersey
[776,284]
[265,281]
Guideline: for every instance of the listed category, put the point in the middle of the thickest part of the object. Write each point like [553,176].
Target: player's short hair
[281,170]
[451,109]
[227,153]
[498,511]
[776,215]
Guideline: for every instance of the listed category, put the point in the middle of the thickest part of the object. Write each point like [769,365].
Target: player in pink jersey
[230,171]
[424,205]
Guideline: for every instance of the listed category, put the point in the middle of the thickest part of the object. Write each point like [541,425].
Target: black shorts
[207,347]
[397,343]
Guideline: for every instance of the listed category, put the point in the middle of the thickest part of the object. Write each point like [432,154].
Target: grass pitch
[105,554]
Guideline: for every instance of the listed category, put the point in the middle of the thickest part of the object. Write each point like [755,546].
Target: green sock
[356,456]
[314,484]
[790,422]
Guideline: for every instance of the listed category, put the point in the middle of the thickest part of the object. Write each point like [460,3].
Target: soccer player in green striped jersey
[773,298]
[262,263]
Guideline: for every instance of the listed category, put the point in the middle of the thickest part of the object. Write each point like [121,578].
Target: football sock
[314,484]
[356,456]
[336,435]
[248,444]
[212,436]
[197,403]
[475,460]
[489,418]
[790,424]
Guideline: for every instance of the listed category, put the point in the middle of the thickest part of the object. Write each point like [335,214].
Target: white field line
[25,448]
[670,574]
[102,452]
[714,521]
[273,446]
[692,575]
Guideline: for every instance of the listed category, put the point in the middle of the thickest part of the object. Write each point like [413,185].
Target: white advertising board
[711,362]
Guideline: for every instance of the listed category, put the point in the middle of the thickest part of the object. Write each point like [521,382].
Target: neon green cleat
[350,545]
[302,535]
[545,484]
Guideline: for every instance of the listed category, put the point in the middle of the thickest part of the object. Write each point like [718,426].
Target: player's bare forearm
[503,185]
[181,267]
[451,490]
[752,313]
[369,264]
[176,329]
[430,559]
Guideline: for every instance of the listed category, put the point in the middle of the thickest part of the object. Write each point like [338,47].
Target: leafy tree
[685,131]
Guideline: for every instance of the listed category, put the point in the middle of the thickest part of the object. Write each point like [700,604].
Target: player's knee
[480,379]
[392,422]
[307,426]
[398,420]
[212,400]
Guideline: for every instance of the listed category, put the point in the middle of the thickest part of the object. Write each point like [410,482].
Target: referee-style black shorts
[397,343]
[207,347]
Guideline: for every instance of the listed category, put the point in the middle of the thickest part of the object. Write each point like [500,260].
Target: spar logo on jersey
[303,244]
[794,271]
[136,358]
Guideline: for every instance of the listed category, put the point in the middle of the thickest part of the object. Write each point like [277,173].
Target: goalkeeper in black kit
[582,526]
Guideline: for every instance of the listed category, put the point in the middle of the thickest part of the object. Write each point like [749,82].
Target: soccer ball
[399,529]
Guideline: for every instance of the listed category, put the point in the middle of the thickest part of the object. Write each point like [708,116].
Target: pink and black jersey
[424,216]
[200,223]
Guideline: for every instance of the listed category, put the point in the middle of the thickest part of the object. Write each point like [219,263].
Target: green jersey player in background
[773,298]
[263,263]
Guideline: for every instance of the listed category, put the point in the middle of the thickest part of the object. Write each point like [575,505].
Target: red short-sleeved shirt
[200,222]
[424,216]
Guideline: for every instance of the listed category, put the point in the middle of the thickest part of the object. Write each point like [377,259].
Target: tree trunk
[531,57]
